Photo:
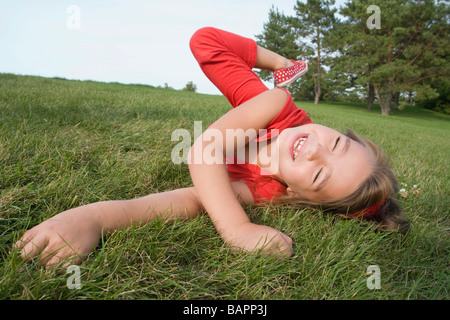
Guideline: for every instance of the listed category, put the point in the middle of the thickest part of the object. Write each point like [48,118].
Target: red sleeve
[290,116]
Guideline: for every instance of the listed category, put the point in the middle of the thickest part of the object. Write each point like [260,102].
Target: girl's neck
[265,157]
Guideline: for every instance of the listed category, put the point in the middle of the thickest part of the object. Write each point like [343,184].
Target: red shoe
[285,76]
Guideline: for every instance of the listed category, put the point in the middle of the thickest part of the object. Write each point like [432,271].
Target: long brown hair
[380,186]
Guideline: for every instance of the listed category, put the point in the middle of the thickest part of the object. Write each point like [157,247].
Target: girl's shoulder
[289,116]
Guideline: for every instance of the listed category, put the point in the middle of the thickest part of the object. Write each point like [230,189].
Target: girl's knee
[203,33]
[201,38]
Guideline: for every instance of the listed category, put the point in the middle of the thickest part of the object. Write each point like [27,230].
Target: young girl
[310,166]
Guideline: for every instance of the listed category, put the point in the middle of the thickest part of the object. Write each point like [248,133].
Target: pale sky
[127,41]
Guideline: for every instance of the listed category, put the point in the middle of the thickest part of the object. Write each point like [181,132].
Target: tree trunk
[410,98]
[396,100]
[318,89]
[371,97]
[385,107]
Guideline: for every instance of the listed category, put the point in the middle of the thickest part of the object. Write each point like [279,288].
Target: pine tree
[314,20]
[406,50]
[353,42]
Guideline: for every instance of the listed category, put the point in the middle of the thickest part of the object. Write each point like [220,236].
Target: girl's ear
[291,193]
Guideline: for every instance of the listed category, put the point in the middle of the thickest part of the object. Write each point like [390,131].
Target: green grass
[67,143]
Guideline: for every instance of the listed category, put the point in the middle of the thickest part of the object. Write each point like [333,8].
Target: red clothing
[227,60]
[263,187]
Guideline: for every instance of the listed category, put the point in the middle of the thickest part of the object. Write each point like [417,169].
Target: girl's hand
[250,237]
[68,235]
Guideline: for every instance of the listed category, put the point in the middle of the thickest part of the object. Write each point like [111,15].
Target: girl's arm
[212,183]
[74,233]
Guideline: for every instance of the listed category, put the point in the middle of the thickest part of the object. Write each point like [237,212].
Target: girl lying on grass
[308,165]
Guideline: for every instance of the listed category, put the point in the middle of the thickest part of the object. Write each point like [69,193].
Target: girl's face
[320,164]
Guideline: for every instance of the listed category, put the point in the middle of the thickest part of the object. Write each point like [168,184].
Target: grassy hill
[67,143]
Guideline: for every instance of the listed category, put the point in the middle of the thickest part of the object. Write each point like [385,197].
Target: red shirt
[264,187]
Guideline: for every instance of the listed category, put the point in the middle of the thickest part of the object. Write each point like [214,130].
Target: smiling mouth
[298,145]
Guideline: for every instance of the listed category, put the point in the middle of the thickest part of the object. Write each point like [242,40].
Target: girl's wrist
[236,232]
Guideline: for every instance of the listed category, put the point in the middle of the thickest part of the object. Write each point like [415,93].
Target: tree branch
[414,60]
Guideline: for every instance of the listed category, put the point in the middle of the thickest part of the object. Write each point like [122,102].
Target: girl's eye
[317,175]
[337,142]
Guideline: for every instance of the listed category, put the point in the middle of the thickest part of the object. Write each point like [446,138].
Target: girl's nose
[314,152]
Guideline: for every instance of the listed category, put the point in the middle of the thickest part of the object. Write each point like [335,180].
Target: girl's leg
[227,60]
[269,60]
